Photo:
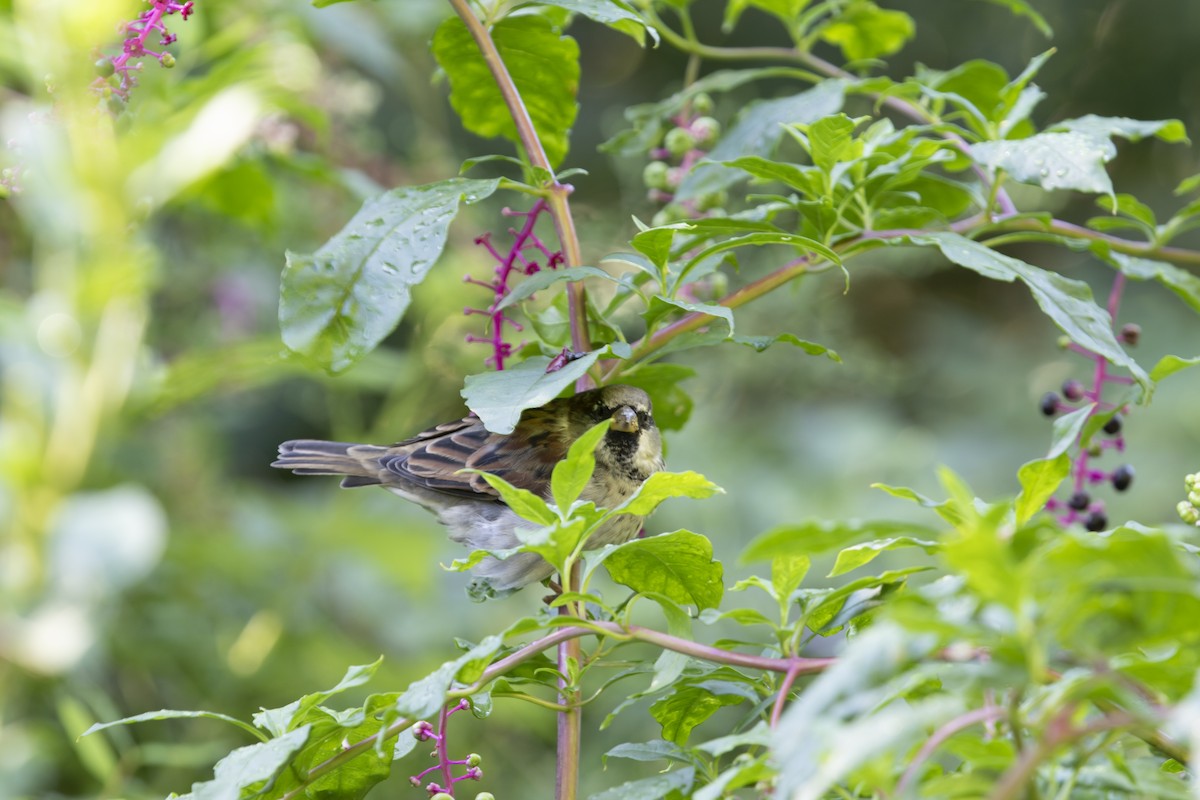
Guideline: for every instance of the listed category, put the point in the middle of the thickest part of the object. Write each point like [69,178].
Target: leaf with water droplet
[338,303]
[1057,160]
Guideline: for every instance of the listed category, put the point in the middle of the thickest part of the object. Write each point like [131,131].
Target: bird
[426,469]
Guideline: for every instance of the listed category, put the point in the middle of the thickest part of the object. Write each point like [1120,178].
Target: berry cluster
[693,134]
[506,264]
[117,74]
[424,732]
[1189,510]
[1081,506]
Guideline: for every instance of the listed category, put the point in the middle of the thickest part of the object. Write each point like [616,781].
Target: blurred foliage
[150,559]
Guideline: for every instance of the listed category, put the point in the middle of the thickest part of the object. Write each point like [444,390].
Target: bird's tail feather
[357,463]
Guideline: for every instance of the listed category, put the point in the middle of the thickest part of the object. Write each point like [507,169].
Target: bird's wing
[432,459]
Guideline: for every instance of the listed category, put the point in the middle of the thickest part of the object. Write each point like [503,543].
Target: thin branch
[962,722]
[784,691]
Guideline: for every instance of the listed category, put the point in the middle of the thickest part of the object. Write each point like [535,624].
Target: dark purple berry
[1072,389]
[1096,521]
[1122,477]
[1130,333]
[1079,501]
[1049,404]
[1113,426]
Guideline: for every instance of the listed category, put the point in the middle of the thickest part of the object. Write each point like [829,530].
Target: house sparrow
[425,470]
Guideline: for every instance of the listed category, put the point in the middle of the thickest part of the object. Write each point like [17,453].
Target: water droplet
[1045,173]
[1061,172]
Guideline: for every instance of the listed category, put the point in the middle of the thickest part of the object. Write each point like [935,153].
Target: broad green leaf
[338,303]
[247,768]
[352,780]
[855,556]
[1021,8]
[655,243]
[756,133]
[543,64]
[1067,302]
[787,573]
[1040,479]
[867,31]
[1130,206]
[1169,365]
[525,503]
[616,14]
[664,485]
[687,707]
[572,474]
[660,306]
[761,343]
[670,664]
[653,750]
[426,696]
[277,720]
[828,610]
[151,716]
[1097,127]
[1183,283]
[549,277]
[820,536]
[1064,160]
[498,398]
[662,785]
[677,565]
[757,736]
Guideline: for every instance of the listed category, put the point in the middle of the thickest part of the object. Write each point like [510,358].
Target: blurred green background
[151,559]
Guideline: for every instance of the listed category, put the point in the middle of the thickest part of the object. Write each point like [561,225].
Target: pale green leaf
[655,788]
[1169,365]
[338,303]
[1062,160]
[820,536]
[572,474]
[867,31]
[548,277]
[664,485]
[248,767]
[616,14]
[859,555]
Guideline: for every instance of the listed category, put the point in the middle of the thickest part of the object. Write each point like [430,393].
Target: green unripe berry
[474,760]
[1190,481]
[485,796]
[654,175]
[679,141]
[167,60]
[115,104]
[105,68]
[1064,342]
[442,796]
[706,130]
[1187,512]
[1194,497]
[668,214]
[711,200]
[702,104]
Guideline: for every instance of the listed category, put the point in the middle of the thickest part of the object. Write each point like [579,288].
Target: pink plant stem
[962,722]
[1099,377]
[784,690]
[442,752]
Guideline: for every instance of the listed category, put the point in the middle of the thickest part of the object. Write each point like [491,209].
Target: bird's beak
[625,420]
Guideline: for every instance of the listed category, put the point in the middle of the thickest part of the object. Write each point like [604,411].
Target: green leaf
[1040,479]
[653,750]
[338,303]
[687,707]
[867,31]
[525,503]
[858,555]
[549,277]
[664,485]
[572,474]
[1067,429]
[616,14]
[785,10]
[670,664]
[498,398]
[678,565]
[1168,130]
[830,140]
[277,720]
[1169,365]
[151,716]
[787,573]
[1184,284]
[659,786]
[756,133]
[247,768]
[1066,160]
[761,343]
[426,696]
[820,536]
[1067,302]
[543,64]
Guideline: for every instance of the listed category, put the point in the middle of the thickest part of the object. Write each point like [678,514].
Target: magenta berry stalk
[506,264]
[147,24]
